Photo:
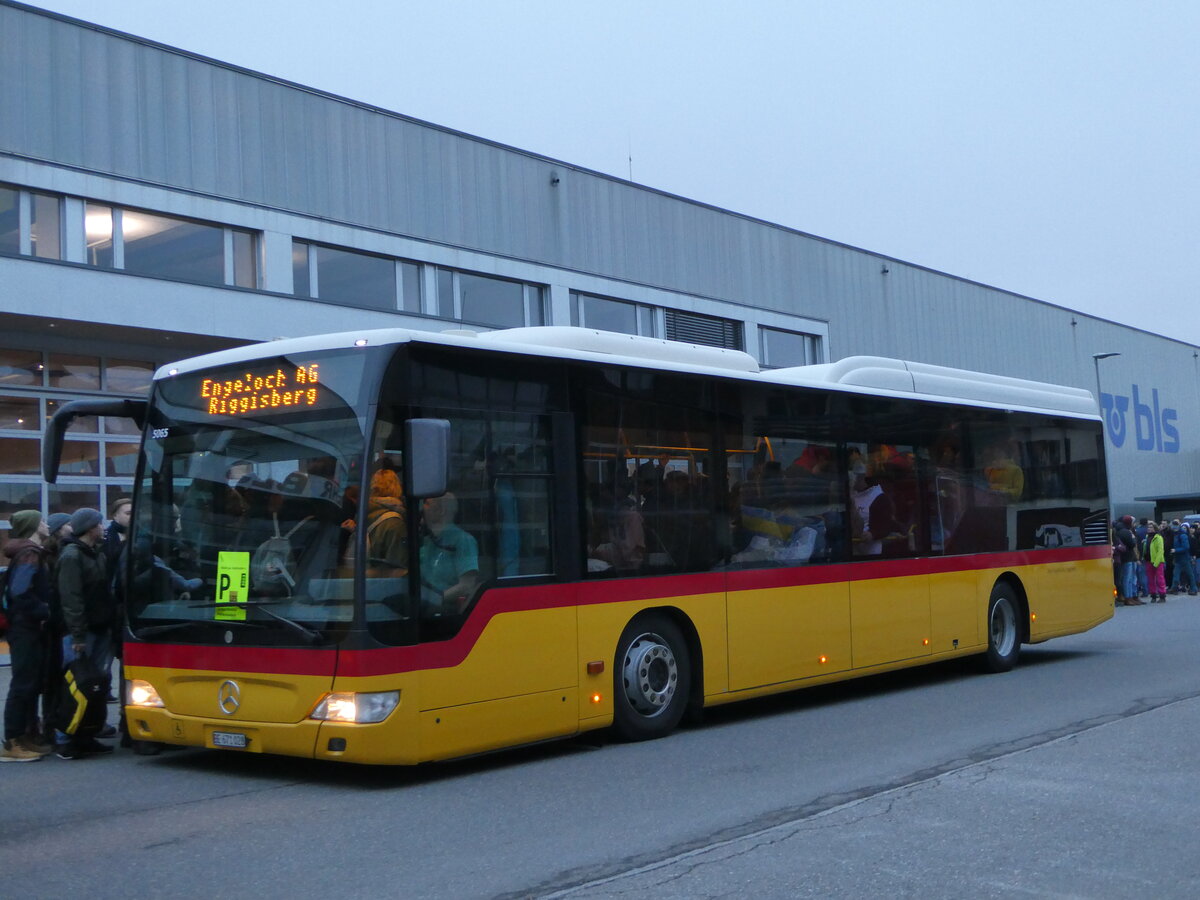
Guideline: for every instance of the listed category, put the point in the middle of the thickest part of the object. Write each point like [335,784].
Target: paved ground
[1074,776]
[1105,812]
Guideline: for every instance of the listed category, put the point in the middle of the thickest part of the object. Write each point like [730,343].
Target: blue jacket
[1182,543]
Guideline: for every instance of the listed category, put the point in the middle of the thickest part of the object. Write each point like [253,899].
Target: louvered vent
[1095,529]
[712,331]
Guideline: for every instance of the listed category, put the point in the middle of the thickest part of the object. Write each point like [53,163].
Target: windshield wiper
[152,630]
[309,634]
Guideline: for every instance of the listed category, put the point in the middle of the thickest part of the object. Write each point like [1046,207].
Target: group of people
[1153,559]
[62,602]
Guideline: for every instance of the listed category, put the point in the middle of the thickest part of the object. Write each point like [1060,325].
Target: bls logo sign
[1153,426]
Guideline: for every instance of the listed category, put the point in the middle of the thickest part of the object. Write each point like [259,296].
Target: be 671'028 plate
[230,739]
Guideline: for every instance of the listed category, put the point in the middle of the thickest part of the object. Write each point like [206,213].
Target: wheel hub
[650,673]
[1004,628]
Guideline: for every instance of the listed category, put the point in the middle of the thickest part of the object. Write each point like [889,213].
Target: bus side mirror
[68,412]
[428,457]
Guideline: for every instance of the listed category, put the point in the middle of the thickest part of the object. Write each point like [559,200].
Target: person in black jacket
[26,596]
[1128,545]
[85,594]
[113,546]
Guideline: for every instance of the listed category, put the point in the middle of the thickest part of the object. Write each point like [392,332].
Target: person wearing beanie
[55,522]
[1128,548]
[1184,575]
[87,606]
[59,526]
[24,524]
[85,519]
[28,590]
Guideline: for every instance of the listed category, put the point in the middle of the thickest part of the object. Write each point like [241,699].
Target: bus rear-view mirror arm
[428,457]
[68,412]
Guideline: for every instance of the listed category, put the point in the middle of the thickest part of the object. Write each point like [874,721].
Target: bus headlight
[358,708]
[142,693]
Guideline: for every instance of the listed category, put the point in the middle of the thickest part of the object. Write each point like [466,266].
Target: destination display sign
[262,390]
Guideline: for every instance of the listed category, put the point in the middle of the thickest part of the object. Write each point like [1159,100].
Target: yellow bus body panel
[525,677]
[889,620]
[1070,597]
[783,634]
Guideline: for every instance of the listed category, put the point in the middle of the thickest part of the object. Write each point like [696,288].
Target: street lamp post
[1096,357]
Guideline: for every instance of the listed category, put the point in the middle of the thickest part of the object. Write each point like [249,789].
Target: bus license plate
[230,739]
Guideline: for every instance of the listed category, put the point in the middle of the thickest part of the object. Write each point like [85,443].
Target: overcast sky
[1044,147]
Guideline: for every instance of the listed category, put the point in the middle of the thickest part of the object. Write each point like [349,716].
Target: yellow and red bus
[395,547]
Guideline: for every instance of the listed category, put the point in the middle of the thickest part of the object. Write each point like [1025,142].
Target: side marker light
[595,667]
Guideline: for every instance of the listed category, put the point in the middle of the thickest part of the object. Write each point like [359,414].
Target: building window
[484,300]
[144,243]
[446,308]
[10,220]
[241,258]
[301,281]
[98,235]
[45,226]
[410,287]
[781,348]
[621,316]
[173,248]
[695,328]
[491,300]
[355,279]
[128,376]
[100,452]
[30,223]
[21,368]
[73,372]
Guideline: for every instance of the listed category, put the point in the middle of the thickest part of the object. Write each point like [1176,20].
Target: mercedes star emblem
[229,697]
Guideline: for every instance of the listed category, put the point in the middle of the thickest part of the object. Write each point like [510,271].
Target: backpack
[273,564]
[81,709]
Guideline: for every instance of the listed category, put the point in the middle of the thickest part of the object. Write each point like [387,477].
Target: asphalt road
[1073,775]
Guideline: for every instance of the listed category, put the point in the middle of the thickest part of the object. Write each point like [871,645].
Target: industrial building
[155,204]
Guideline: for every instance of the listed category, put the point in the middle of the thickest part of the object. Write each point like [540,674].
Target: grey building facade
[155,204]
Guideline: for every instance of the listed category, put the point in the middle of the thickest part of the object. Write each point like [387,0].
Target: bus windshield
[246,504]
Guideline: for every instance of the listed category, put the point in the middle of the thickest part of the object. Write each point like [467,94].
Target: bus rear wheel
[1004,632]
[652,678]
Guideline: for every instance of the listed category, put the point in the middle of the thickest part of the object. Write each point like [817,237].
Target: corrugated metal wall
[78,96]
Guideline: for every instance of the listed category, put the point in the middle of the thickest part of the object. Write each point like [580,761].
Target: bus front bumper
[308,739]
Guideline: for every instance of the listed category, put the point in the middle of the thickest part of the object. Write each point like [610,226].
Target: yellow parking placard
[233,579]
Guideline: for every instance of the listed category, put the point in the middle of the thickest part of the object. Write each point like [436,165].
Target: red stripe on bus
[264,660]
[446,654]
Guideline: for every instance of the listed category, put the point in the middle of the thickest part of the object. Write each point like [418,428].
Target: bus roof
[855,374]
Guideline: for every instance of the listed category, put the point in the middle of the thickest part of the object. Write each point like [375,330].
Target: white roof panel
[854,374]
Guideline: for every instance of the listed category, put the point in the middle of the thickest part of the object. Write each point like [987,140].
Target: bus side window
[649,467]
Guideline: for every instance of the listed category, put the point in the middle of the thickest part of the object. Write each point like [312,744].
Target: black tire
[147,748]
[1004,629]
[652,678]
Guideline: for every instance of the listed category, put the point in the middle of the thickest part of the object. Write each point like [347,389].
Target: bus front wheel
[652,678]
[1004,632]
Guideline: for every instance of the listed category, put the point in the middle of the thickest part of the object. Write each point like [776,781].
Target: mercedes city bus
[395,547]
